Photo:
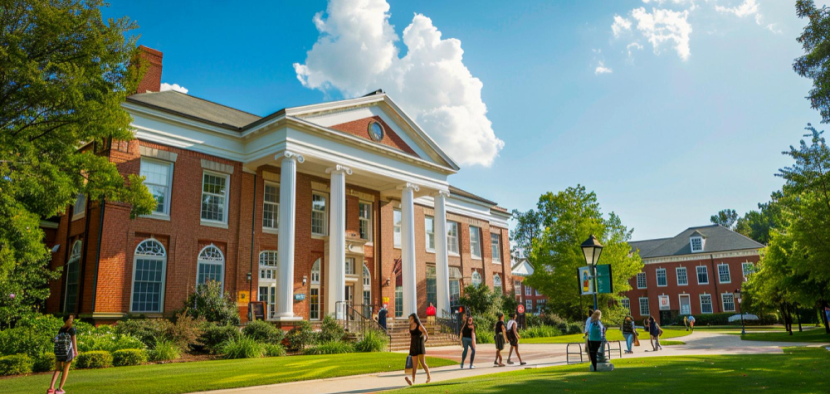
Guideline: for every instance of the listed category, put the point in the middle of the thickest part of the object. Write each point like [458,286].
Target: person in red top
[431,313]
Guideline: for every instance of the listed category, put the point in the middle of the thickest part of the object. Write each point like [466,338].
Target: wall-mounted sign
[299,297]
[242,297]
[665,303]
[604,283]
[385,300]
[586,280]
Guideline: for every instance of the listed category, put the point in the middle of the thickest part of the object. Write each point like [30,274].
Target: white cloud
[665,26]
[633,45]
[773,27]
[620,24]
[748,7]
[601,69]
[166,86]
[356,53]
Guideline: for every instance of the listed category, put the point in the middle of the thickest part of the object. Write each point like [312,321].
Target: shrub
[300,336]
[185,330]
[480,300]
[330,330]
[552,319]
[146,330]
[243,347]
[102,340]
[16,364]
[95,359]
[31,335]
[485,325]
[44,362]
[331,347]
[540,332]
[263,331]
[209,303]
[713,319]
[573,328]
[165,350]
[128,357]
[274,350]
[373,341]
[214,335]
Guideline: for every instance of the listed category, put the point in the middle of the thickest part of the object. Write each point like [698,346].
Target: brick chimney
[151,82]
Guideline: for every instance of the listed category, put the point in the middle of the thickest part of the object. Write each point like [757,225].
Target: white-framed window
[475,242]
[271,207]
[452,237]
[696,244]
[429,229]
[497,284]
[268,265]
[350,266]
[149,274]
[682,276]
[626,303]
[73,270]
[268,281]
[723,273]
[702,275]
[455,285]
[540,305]
[367,290]
[211,266]
[644,306]
[528,290]
[641,280]
[705,303]
[158,177]
[396,227]
[537,292]
[319,219]
[365,215]
[728,300]
[476,279]
[215,197]
[314,292]
[495,247]
[662,280]
[79,209]
[747,269]
[528,305]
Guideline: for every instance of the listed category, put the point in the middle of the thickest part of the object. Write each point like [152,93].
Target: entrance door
[268,295]
[685,304]
[665,318]
[349,301]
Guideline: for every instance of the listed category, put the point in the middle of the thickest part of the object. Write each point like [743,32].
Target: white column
[442,268]
[336,271]
[410,296]
[285,240]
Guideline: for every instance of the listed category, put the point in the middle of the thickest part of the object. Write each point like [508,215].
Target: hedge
[16,364]
[95,359]
[129,357]
[44,362]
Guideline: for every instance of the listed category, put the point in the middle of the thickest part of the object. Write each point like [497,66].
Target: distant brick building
[531,298]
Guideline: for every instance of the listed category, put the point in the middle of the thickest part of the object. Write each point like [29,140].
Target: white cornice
[704,257]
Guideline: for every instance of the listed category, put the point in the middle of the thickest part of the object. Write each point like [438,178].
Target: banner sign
[586,280]
[664,302]
[604,283]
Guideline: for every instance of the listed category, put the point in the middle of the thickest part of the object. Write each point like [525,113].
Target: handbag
[408,368]
[636,341]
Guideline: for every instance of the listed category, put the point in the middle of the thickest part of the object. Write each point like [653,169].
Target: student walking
[629,333]
[382,316]
[468,341]
[692,322]
[513,337]
[417,347]
[596,334]
[501,338]
[66,349]
[655,331]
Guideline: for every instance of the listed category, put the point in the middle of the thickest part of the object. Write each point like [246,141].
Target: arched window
[476,279]
[455,285]
[314,292]
[149,271]
[367,291]
[211,266]
[72,269]
[497,284]
[268,281]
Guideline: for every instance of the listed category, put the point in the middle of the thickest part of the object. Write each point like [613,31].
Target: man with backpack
[66,349]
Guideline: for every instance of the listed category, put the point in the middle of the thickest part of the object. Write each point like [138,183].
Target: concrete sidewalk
[536,356]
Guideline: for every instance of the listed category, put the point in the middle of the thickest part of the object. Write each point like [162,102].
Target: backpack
[63,344]
[595,333]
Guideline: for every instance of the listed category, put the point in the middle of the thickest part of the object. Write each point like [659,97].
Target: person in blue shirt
[692,322]
[596,334]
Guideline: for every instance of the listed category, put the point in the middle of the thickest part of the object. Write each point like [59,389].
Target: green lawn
[817,335]
[728,328]
[799,370]
[213,375]
[612,335]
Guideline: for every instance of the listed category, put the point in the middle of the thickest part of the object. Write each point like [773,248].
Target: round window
[376,131]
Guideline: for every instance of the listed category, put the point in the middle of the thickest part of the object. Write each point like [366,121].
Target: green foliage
[214,335]
[526,230]
[274,350]
[372,341]
[725,218]
[569,218]
[209,303]
[44,362]
[15,364]
[480,299]
[129,357]
[165,350]
[185,331]
[815,62]
[31,335]
[300,336]
[330,330]
[509,303]
[243,347]
[263,331]
[108,342]
[94,359]
[485,327]
[759,224]
[146,330]
[330,347]
[64,76]
[540,332]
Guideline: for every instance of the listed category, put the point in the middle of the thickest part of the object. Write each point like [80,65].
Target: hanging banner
[665,303]
[586,281]
[604,283]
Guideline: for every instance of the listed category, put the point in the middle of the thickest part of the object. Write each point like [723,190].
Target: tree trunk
[785,309]
[798,315]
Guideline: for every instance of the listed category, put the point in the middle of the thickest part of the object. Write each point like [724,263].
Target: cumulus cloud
[633,45]
[166,86]
[356,53]
[620,24]
[748,7]
[663,26]
[601,69]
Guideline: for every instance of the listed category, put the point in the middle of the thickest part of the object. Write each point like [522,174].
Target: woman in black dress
[417,347]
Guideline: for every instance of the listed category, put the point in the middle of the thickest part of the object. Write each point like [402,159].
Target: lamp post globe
[592,249]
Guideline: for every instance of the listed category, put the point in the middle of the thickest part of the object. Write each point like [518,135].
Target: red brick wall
[360,128]
[151,82]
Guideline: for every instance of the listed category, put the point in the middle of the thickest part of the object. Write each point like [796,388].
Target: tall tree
[815,63]
[759,224]
[725,218]
[64,73]
[525,231]
[569,217]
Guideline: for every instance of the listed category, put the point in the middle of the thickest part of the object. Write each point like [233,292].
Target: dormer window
[697,244]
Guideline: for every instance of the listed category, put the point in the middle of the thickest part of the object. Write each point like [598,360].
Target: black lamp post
[743,328]
[592,249]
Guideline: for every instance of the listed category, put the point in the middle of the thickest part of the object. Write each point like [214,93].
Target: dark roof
[195,108]
[718,239]
[458,192]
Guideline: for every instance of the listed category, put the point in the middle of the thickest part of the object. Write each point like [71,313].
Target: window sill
[724,283]
[475,258]
[702,284]
[396,247]
[267,230]
[497,262]
[319,236]
[453,254]
[431,251]
[157,217]
[214,224]
[78,216]
[684,284]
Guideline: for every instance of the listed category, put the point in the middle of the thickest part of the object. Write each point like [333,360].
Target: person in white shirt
[513,338]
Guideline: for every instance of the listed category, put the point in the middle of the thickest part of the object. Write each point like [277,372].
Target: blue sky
[669,136]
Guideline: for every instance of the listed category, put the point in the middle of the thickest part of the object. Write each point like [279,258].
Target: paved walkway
[536,356]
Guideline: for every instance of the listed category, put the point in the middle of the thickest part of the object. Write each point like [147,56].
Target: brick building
[695,272]
[304,209]
[531,298]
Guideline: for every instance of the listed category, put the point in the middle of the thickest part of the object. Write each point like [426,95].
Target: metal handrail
[568,352]
[448,324]
[357,322]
